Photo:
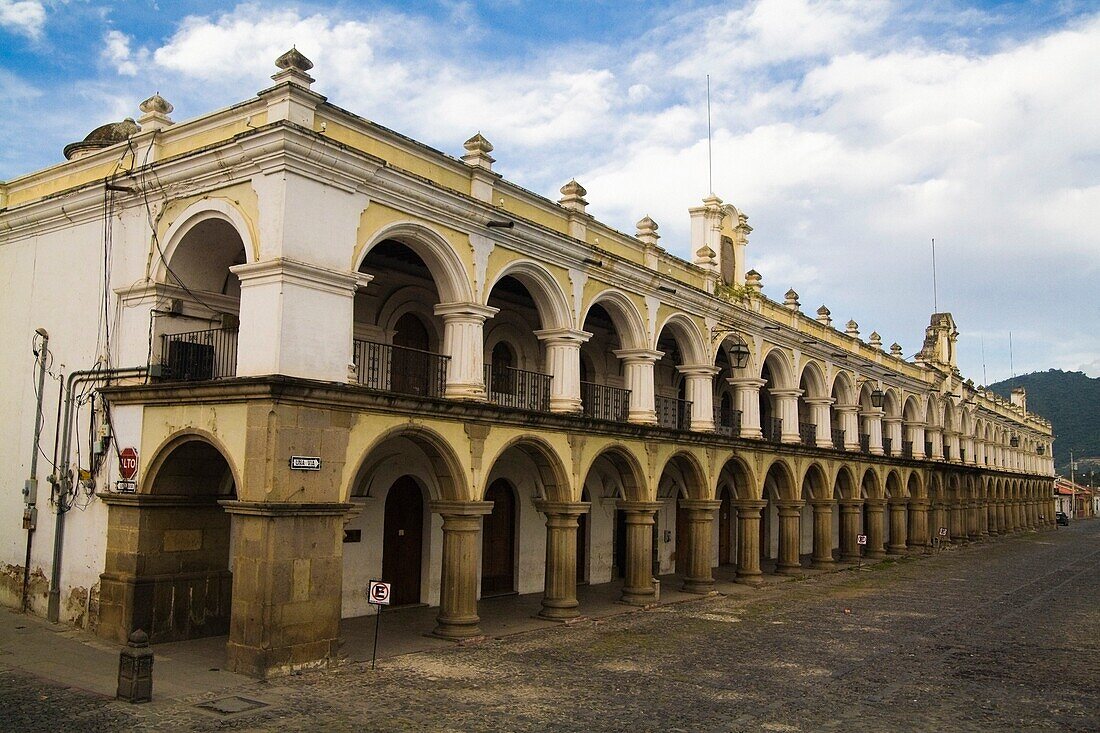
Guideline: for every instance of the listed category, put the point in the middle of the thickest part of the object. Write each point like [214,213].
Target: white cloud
[118,54]
[26,17]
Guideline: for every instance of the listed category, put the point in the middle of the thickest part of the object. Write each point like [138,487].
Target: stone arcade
[505,395]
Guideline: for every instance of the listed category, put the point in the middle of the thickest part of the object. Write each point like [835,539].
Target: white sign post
[378,593]
[861,540]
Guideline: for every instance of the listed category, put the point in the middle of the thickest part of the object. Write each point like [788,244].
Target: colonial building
[339,354]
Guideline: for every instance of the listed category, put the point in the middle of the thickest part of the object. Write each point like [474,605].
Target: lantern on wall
[877,397]
[1014,441]
[738,350]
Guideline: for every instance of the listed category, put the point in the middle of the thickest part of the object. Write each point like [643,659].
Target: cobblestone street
[1004,635]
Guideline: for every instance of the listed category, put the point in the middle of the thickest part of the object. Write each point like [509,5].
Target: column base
[749,577]
[457,629]
[638,596]
[551,613]
[874,555]
[896,549]
[698,586]
[823,564]
[565,404]
[788,570]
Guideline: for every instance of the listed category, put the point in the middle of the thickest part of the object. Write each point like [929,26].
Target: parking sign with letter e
[379,593]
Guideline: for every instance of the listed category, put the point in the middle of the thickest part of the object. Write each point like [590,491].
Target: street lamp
[738,351]
[877,397]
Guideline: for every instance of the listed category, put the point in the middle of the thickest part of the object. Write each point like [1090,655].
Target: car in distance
[1062,518]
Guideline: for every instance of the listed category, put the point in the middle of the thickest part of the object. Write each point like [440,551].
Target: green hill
[1071,401]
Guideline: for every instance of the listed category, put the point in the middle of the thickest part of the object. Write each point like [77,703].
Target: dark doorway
[498,541]
[403,540]
[681,540]
[725,519]
[620,543]
[582,543]
[411,367]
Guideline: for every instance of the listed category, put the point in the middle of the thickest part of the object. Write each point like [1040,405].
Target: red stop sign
[128,463]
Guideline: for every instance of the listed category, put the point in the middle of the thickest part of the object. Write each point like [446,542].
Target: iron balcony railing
[399,369]
[888,446]
[838,438]
[199,355]
[907,448]
[727,422]
[864,443]
[773,430]
[605,403]
[518,388]
[673,413]
[807,431]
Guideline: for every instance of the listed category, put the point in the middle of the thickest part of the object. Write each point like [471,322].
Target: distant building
[359,357]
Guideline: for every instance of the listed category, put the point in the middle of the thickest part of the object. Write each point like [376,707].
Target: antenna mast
[985,377]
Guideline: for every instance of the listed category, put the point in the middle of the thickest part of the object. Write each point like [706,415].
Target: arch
[446,468]
[737,474]
[844,483]
[553,479]
[895,489]
[870,486]
[693,473]
[448,271]
[914,486]
[777,362]
[815,483]
[891,402]
[782,477]
[911,411]
[628,321]
[550,300]
[211,209]
[689,338]
[843,389]
[812,376]
[167,450]
[629,468]
[933,413]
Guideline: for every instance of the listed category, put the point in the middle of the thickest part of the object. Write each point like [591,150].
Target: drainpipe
[30,490]
[62,480]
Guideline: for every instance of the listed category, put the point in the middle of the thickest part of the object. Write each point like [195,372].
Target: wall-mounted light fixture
[738,351]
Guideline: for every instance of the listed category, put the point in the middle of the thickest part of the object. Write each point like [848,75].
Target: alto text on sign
[128,463]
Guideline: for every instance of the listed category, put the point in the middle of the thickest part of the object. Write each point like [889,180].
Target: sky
[850,132]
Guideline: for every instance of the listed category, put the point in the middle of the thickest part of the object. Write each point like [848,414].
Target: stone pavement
[1002,635]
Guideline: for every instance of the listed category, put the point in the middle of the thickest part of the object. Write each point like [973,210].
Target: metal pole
[63,482]
[377,623]
[31,499]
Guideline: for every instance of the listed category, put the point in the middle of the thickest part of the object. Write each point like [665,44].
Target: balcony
[947,453]
[399,369]
[807,432]
[602,402]
[838,438]
[888,446]
[518,388]
[864,443]
[928,449]
[773,429]
[727,422]
[906,449]
[673,413]
[962,454]
[199,355]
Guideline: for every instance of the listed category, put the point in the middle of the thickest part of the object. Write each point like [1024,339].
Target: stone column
[851,516]
[457,618]
[748,402]
[892,430]
[700,391]
[638,589]
[973,531]
[849,423]
[941,517]
[287,586]
[563,362]
[700,523]
[916,434]
[872,419]
[819,408]
[748,539]
[1002,523]
[934,435]
[898,528]
[464,342]
[957,523]
[787,407]
[918,523]
[876,508]
[559,599]
[638,368]
[951,442]
[823,533]
[790,515]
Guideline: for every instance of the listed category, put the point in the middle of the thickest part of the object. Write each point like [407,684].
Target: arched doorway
[725,527]
[498,541]
[582,542]
[403,540]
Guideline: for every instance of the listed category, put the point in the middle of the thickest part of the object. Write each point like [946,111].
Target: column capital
[567,508]
[891,419]
[898,500]
[465,311]
[283,269]
[450,508]
[873,412]
[638,356]
[786,392]
[919,503]
[746,382]
[698,370]
[562,336]
[821,503]
[700,504]
[846,408]
[875,502]
[789,505]
[750,503]
[639,507]
[819,401]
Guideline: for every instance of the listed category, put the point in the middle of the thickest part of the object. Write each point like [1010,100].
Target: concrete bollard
[135,669]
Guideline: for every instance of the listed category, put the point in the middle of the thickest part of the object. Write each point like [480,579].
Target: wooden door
[725,518]
[403,540]
[498,541]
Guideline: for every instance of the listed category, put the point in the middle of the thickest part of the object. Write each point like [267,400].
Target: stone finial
[293,67]
[895,349]
[477,152]
[573,196]
[824,316]
[852,329]
[647,231]
[754,281]
[156,110]
[706,257]
[790,300]
[875,340]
